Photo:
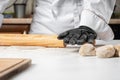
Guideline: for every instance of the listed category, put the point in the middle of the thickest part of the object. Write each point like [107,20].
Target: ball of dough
[87,50]
[105,51]
[117,48]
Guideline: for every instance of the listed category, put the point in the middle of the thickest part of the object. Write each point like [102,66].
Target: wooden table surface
[17,21]
[29,20]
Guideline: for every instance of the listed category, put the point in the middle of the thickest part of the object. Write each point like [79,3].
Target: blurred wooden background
[29,7]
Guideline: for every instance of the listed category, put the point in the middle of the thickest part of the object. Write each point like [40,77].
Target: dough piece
[87,50]
[117,48]
[107,51]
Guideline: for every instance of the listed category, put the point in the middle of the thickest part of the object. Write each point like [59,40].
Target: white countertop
[62,64]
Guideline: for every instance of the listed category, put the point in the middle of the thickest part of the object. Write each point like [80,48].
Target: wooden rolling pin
[30,40]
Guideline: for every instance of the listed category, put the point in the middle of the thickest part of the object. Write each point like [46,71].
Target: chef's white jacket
[57,16]
[3,5]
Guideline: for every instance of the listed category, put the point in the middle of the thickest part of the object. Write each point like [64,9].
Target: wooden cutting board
[12,66]
[30,40]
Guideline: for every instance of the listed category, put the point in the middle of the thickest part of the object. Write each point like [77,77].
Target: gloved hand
[78,36]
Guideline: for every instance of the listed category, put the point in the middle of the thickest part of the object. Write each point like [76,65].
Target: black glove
[78,36]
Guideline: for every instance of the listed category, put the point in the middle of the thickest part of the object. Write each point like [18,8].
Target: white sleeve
[96,15]
[1,18]
[3,5]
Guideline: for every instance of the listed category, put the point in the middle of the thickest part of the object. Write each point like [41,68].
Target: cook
[75,21]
